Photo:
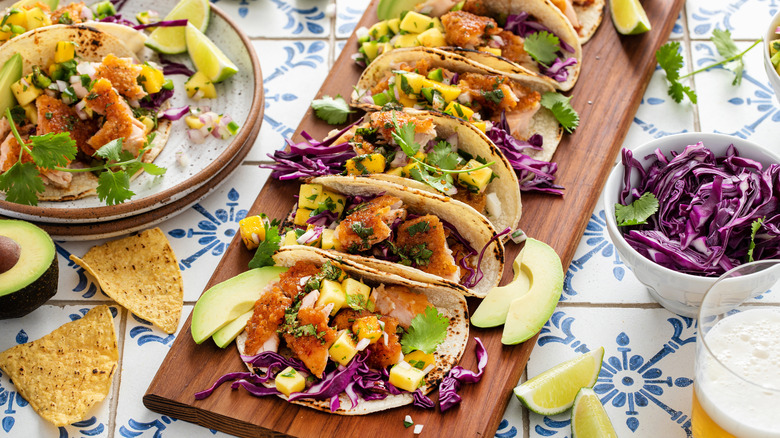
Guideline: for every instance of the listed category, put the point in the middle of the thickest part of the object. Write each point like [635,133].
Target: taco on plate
[335,336]
[87,83]
[494,33]
[435,156]
[416,234]
[502,105]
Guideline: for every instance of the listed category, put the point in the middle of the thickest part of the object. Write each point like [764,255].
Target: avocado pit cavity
[9,253]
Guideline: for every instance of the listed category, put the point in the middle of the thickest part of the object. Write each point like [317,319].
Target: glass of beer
[737,380]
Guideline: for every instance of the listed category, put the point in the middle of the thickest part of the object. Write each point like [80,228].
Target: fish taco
[338,337]
[424,150]
[415,234]
[87,83]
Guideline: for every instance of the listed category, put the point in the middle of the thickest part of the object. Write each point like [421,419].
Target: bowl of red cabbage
[684,209]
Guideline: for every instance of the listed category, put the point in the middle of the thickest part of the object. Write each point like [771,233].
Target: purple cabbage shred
[421,400]
[448,389]
[118,4]
[175,68]
[155,101]
[169,23]
[558,70]
[174,113]
[118,19]
[707,205]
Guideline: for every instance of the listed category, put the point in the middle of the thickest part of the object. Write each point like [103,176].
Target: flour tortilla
[590,17]
[477,144]
[447,302]
[37,47]
[543,122]
[474,227]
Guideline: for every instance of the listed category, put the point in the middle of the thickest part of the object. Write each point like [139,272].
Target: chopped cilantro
[361,231]
[494,96]
[419,227]
[426,332]
[417,255]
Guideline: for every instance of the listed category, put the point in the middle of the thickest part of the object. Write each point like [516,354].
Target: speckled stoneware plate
[241,97]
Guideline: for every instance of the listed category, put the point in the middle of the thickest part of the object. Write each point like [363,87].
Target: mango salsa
[289,381]
[252,230]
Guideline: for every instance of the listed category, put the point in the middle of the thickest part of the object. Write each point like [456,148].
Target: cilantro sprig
[437,172]
[754,227]
[268,247]
[22,182]
[543,47]
[671,61]
[637,212]
[561,108]
[426,332]
[334,111]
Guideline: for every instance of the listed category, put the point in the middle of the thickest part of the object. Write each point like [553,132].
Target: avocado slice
[10,73]
[389,9]
[28,268]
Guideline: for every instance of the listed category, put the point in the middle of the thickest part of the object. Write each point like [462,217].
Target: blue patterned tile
[348,13]
[17,418]
[679,28]
[749,110]
[292,74]
[746,19]
[645,381]
[279,18]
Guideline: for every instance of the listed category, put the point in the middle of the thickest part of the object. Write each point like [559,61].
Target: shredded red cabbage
[256,390]
[226,378]
[118,4]
[475,278]
[117,19]
[533,174]
[155,101]
[311,157]
[448,389]
[707,205]
[169,23]
[175,68]
[421,400]
[558,70]
[274,362]
[322,219]
[174,113]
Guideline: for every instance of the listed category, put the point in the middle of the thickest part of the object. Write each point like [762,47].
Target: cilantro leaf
[52,150]
[637,212]
[419,227]
[426,332]
[753,231]
[542,46]
[442,183]
[727,49]
[333,111]
[561,108]
[443,157]
[267,248]
[404,136]
[21,183]
[671,61]
[153,169]
[111,151]
[114,187]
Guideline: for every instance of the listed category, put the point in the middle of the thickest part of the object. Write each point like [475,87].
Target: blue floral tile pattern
[348,13]
[279,18]
[745,19]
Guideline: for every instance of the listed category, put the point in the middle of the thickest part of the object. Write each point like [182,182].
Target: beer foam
[748,343]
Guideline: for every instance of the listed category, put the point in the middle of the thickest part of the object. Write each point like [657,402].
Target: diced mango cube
[458,110]
[432,38]
[148,124]
[193,122]
[419,359]
[482,126]
[492,50]
[199,86]
[416,81]
[398,171]
[329,240]
[252,230]
[370,49]
[448,92]
[289,381]
[354,287]
[308,194]
[332,292]
[437,24]
[378,30]
[367,327]
[477,180]
[37,18]
[31,113]
[343,349]
[366,164]
[332,201]
[415,22]
[301,216]
[290,238]
[406,377]
[408,40]
[65,51]
[152,79]
[24,90]
[394,25]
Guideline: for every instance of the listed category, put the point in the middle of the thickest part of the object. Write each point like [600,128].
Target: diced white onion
[62,86]
[80,110]
[408,419]
[418,429]
[493,205]
[86,68]
[365,342]
[134,103]
[361,32]
[196,136]
[384,338]
[428,369]
[86,14]
[464,98]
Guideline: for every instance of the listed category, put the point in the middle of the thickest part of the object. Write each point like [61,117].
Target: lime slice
[171,40]
[553,391]
[207,57]
[629,17]
[588,417]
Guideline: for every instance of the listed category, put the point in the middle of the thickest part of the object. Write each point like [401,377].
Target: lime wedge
[629,17]
[171,40]
[553,391]
[588,417]
[207,57]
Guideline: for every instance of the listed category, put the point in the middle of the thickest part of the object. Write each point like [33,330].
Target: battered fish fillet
[266,319]
[54,116]
[119,122]
[312,349]
[370,223]
[440,261]
[467,30]
[400,303]
[123,75]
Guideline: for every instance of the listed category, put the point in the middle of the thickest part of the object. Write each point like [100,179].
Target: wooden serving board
[615,73]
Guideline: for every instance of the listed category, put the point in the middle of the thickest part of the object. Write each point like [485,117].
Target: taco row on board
[88,83]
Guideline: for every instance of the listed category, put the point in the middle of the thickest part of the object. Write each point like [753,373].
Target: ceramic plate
[241,96]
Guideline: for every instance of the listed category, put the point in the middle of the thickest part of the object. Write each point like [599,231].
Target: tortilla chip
[63,374]
[140,273]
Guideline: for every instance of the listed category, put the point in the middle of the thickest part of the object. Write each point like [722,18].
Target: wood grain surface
[615,73]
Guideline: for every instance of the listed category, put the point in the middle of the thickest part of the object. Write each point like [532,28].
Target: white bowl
[771,73]
[681,293]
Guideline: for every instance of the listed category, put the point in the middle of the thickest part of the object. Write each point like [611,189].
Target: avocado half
[28,268]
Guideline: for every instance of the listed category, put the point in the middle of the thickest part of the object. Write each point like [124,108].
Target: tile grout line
[688,48]
[332,36]
[121,346]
